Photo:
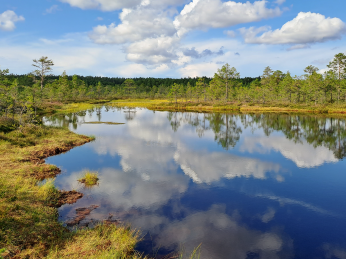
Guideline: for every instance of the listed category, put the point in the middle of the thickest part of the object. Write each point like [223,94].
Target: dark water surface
[242,186]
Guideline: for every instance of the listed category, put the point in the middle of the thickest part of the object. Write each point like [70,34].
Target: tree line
[22,95]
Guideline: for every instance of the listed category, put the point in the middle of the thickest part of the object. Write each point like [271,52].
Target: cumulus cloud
[220,235]
[206,167]
[155,38]
[153,51]
[306,28]
[136,24]
[8,20]
[205,14]
[303,154]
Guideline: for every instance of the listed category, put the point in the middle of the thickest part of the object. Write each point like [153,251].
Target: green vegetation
[26,96]
[101,242]
[29,226]
[89,178]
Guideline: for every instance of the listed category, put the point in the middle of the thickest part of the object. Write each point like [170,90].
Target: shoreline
[29,225]
[164,105]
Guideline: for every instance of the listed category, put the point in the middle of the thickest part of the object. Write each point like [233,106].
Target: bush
[8,124]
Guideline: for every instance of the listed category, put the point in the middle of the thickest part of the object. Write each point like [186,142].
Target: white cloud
[153,51]
[304,29]
[220,234]
[8,20]
[334,251]
[104,5]
[280,2]
[200,69]
[303,154]
[299,46]
[136,24]
[112,5]
[155,38]
[269,215]
[206,167]
[231,34]
[52,9]
[205,14]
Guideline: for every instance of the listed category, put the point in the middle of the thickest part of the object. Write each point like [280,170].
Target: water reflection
[243,186]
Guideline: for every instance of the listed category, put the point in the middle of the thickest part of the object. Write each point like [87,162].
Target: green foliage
[89,178]
[2,250]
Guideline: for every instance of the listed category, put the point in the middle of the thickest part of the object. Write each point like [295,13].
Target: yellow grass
[29,226]
[89,178]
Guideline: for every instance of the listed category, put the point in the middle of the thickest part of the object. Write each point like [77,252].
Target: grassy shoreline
[165,105]
[29,226]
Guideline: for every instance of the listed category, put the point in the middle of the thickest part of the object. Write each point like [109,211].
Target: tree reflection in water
[227,128]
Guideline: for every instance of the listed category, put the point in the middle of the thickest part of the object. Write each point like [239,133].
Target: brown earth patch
[44,171]
[39,155]
[68,197]
[81,214]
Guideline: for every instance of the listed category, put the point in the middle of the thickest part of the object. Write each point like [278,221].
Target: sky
[170,38]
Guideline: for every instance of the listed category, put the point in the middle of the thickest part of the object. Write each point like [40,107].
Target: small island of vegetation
[89,178]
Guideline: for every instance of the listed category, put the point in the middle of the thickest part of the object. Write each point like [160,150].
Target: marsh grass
[92,137]
[221,106]
[29,226]
[101,242]
[77,107]
[195,254]
[89,178]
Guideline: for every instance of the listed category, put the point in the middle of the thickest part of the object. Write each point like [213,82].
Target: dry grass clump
[104,241]
[89,178]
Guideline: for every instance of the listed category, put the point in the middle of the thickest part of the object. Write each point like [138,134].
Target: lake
[239,185]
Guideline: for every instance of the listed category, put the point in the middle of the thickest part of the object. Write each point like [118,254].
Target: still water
[241,186]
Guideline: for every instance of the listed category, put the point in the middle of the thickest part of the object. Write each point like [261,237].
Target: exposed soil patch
[111,221]
[68,197]
[38,156]
[44,171]
[81,214]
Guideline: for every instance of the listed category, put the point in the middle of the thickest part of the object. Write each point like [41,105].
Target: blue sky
[170,38]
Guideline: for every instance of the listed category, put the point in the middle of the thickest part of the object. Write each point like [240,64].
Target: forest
[23,95]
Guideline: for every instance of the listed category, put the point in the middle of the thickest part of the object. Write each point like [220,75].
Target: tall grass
[101,242]
[29,227]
